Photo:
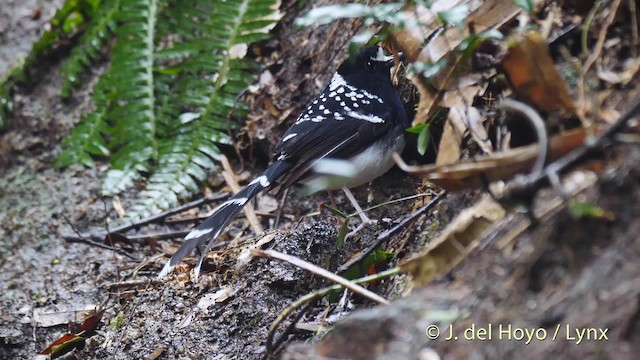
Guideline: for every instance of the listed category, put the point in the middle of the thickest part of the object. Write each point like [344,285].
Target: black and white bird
[344,138]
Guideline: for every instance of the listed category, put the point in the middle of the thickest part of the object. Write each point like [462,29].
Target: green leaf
[91,44]
[423,140]
[527,5]
[423,136]
[342,234]
[326,14]
[470,43]
[456,16]
[428,70]
[73,22]
[580,209]
[416,129]
[336,212]
[166,102]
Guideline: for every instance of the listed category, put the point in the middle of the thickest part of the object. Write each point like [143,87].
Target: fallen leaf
[219,296]
[63,345]
[479,171]
[455,242]
[61,314]
[533,75]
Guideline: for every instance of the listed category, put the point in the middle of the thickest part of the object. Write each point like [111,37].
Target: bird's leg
[363,216]
[365,219]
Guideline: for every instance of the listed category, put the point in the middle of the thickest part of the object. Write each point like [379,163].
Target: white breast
[361,169]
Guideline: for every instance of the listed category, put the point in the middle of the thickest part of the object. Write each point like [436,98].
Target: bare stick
[533,181]
[149,220]
[321,272]
[308,298]
[80,239]
[538,124]
[387,234]
[160,236]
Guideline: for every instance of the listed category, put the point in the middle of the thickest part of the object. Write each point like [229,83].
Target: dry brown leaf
[474,173]
[462,118]
[449,148]
[632,67]
[534,77]
[219,296]
[455,242]
[484,15]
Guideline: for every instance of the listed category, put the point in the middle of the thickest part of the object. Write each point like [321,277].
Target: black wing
[339,124]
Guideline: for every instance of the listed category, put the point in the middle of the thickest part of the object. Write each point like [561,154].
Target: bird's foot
[365,221]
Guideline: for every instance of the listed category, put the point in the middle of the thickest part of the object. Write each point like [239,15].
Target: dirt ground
[563,274]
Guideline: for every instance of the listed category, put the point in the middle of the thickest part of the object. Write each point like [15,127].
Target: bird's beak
[381,57]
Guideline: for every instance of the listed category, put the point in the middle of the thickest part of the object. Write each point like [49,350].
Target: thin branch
[309,298]
[80,239]
[533,181]
[130,283]
[149,220]
[321,272]
[271,345]
[602,36]
[390,202]
[160,236]
[538,124]
[387,234]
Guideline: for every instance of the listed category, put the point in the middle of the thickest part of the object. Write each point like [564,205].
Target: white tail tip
[165,270]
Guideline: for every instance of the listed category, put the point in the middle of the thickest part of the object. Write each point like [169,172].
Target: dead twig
[538,124]
[388,233]
[131,284]
[308,299]
[321,272]
[160,236]
[78,238]
[597,51]
[146,221]
[532,182]
[602,36]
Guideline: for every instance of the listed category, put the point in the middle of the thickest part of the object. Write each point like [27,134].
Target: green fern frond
[172,92]
[209,88]
[67,22]
[131,78]
[90,45]
[85,142]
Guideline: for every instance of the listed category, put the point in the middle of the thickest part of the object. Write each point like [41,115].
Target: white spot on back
[370,118]
[336,81]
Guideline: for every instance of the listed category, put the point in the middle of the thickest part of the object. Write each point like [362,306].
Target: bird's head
[369,64]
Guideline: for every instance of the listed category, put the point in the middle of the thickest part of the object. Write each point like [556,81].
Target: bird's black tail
[204,235]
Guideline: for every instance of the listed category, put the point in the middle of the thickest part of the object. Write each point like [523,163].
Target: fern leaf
[186,158]
[131,78]
[90,45]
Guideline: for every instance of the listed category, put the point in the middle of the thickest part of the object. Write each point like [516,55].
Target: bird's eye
[370,65]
